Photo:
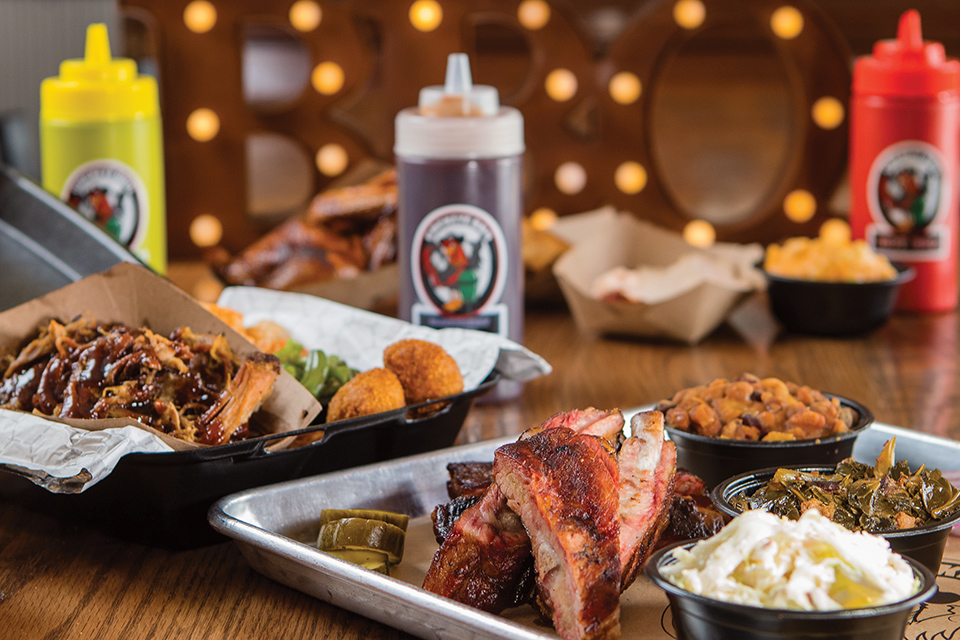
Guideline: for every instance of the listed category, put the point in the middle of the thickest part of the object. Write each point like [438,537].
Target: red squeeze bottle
[904,154]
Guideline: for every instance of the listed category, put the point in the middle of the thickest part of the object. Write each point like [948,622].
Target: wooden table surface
[60,580]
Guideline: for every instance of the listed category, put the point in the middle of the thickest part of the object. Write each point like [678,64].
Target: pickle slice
[379,567]
[366,558]
[363,534]
[396,519]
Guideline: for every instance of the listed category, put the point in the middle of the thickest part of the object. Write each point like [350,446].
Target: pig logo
[905,196]
[460,260]
[111,195]
[908,191]
[459,268]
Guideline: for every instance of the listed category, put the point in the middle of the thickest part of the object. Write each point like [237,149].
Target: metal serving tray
[274,527]
[44,244]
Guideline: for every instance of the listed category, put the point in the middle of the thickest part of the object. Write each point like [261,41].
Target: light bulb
[200,16]
[700,233]
[203,125]
[327,78]
[426,15]
[630,177]
[206,230]
[332,159]
[533,14]
[787,22]
[800,205]
[561,84]
[305,15]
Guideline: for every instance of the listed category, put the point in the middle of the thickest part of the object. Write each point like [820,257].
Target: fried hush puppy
[414,371]
[426,372]
[368,392]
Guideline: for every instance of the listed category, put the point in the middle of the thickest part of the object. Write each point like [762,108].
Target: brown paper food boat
[134,295]
[687,315]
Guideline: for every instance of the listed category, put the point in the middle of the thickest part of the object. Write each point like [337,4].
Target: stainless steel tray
[274,525]
[44,244]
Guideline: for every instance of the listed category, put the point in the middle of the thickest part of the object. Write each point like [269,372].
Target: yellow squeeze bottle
[101,147]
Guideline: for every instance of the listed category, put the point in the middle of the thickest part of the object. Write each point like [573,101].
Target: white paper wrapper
[64,459]
[359,337]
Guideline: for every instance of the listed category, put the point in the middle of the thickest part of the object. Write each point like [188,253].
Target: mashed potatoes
[810,564]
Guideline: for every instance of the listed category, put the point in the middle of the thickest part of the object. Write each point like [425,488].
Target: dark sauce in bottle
[460,208]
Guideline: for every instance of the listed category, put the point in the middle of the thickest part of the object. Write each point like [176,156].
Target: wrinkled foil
[64,459]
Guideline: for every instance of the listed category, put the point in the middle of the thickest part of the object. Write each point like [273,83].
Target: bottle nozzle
[910,40]
[458,80]
[97,50]
[458,96]
[909,32]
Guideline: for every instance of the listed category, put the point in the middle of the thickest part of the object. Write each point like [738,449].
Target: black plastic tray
[44,244]
[162,499]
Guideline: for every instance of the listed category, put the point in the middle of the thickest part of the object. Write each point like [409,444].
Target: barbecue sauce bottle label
[111,194]
[908,203]
[459,265]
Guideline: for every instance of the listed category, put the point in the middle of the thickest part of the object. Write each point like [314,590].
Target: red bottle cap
[907,66]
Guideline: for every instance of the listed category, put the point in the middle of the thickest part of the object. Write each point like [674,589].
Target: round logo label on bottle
[459,265]
[111,194]
[905,194]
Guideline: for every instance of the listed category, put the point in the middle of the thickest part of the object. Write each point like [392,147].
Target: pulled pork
[189,385]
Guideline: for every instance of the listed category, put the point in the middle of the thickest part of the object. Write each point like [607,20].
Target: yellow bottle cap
[98,87]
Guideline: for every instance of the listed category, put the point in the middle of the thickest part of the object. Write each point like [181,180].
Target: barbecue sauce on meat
[564,487]
[598,511]
[93,371]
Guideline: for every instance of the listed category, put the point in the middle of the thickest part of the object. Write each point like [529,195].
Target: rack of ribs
[484,559]
[564,517]
[564,487]
[647,464]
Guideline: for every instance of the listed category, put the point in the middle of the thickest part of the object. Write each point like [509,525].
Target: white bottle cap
[459,83]
[459,120]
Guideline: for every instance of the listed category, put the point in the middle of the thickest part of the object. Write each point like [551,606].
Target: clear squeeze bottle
[904,154]
[102,149]
[460,205]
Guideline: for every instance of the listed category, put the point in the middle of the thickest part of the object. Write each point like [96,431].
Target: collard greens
[884,497]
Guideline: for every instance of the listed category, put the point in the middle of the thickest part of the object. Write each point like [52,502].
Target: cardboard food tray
[44,244]
[540,283]
[275,527]
[134,295]
[624,241]
[162,498]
